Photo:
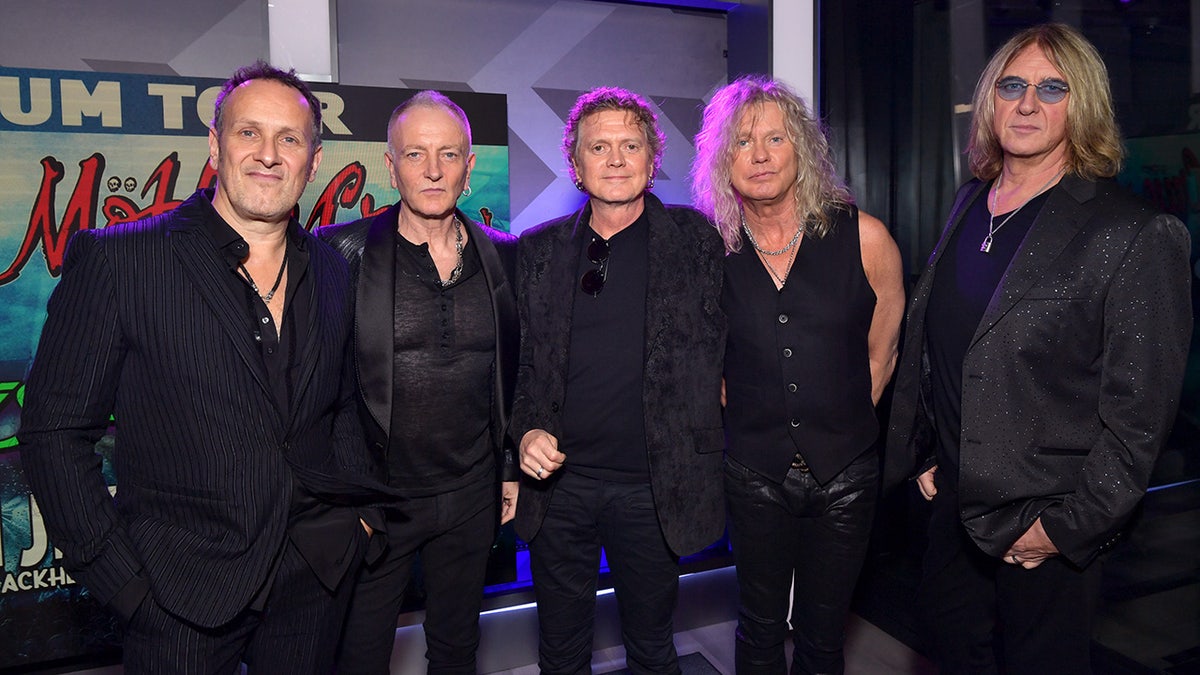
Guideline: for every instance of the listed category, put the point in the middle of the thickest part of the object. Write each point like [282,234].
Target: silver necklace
[754,243]
[786,271]
[458,249]
[986,246]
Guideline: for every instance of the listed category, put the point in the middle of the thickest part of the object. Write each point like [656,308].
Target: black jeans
[983,615]
[799,531]
[584,515]
[453,533]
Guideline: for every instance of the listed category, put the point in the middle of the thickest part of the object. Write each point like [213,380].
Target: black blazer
[1071,382]
[685,350]
[369,246]
[143,325]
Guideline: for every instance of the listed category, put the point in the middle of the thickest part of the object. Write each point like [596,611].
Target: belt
[799,463]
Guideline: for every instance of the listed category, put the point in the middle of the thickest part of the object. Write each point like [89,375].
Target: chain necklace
[786,271]
[986,246]
[754,243]
[458,249]
[253,286]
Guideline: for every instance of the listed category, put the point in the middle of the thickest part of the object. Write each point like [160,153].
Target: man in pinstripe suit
[216,335]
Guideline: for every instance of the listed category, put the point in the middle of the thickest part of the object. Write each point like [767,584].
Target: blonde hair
[818,191]
[1093,141]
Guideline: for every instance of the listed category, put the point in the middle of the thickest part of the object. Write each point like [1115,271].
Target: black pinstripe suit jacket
[142,325]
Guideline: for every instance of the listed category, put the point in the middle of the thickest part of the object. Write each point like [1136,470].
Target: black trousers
[295,633]
[453,535]
[584,515]
[983,615]
[815,535]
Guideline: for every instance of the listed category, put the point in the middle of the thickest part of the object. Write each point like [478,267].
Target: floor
[869,651]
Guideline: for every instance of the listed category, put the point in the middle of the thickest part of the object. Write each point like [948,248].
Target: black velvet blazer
[684,354]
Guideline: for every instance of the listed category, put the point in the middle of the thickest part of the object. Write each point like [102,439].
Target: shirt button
[792,387]
[783,318]
[795,423]
[787,353]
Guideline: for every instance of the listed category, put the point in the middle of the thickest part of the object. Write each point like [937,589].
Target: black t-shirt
[604,431]
[963,285]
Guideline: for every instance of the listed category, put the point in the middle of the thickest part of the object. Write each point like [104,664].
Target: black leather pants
[816,534]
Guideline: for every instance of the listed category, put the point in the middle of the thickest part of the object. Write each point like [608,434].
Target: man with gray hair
[435,346]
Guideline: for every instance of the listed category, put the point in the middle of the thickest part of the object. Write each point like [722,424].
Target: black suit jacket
[685,350]
[1072,379]
[370,247]
[143,325]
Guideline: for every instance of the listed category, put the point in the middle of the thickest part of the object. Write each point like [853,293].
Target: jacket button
[554,407]
[787,352]
[795,424]
[783,318]
[792,387]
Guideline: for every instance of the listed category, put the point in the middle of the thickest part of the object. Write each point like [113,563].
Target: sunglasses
[1050,91]
[593,280]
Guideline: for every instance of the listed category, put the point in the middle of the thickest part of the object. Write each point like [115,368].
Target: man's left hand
[508,500]
[1032,548]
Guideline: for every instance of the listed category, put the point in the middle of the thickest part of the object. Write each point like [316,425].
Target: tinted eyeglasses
[1050,91]
[593,280]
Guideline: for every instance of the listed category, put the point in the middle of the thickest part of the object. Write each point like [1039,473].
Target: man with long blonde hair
[813,296]
[1044,354]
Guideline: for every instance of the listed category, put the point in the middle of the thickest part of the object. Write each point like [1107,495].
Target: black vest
[797,371]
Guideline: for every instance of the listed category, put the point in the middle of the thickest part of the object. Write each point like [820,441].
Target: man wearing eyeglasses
[1044,354]
[617,411]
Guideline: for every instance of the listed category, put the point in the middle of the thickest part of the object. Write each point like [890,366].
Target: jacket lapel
[202,264]
[560,281]
[1056,225]
[374,316]
[504,312]
[309,351]
[663,282]
[959,210]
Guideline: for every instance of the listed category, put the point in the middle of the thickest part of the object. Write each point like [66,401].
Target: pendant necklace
[786,270]
[253,286]
[986,246]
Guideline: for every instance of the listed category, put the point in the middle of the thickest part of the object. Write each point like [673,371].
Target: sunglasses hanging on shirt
[593,280]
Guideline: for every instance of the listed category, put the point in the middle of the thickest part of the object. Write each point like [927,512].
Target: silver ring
[539,472]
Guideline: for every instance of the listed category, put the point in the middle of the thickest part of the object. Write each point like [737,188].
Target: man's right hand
[925,484]
[540,457]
